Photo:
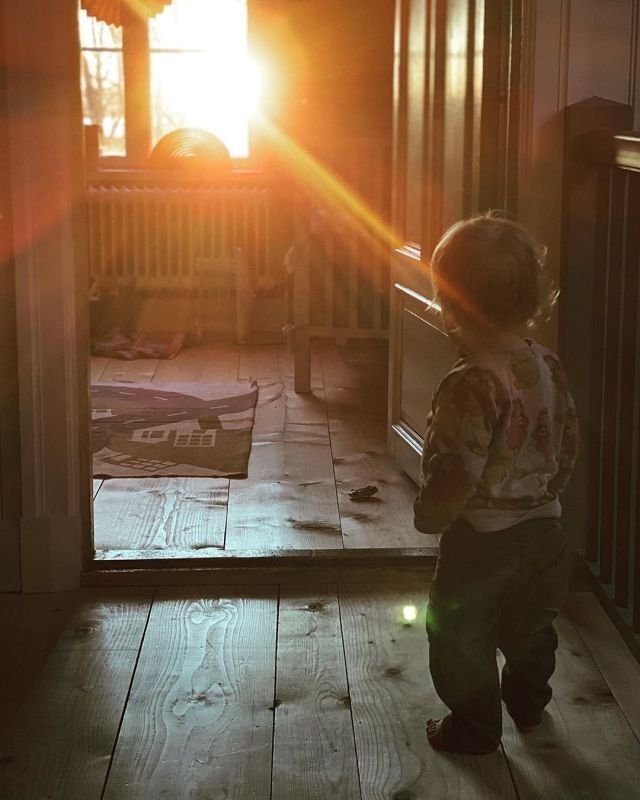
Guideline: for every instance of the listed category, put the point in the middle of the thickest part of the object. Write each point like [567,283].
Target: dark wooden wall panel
[458,155]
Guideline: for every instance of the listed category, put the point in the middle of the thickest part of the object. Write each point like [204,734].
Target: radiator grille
[154,236]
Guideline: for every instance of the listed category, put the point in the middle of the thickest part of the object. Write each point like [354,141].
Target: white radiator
[154,236]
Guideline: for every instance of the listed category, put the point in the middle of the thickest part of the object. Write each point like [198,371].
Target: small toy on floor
[363,493]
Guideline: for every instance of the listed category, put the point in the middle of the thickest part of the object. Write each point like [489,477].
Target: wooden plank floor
[308,451]
[275,693]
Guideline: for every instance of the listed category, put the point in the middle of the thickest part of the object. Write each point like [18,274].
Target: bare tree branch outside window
[102,77]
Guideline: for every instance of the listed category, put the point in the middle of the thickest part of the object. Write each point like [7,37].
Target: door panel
[455,143]
[424,355]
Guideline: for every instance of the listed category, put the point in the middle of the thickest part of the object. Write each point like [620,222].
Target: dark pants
[495,590]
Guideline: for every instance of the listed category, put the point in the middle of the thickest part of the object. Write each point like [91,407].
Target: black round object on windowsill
[187,149]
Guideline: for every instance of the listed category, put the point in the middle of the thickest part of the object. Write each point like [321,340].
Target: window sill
[132,175]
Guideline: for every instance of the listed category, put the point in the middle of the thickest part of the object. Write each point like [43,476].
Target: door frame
[46,186]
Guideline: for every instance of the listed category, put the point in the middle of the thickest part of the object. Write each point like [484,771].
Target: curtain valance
[115,11]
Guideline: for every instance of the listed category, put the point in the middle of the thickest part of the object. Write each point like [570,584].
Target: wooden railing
[612,528]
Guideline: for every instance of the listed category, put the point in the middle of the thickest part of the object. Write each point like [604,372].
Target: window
[188,66]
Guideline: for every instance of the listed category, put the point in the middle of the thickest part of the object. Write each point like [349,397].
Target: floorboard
[60,744]
[391,699]
[262,361]
[161,513]
[585,747]
[289,499]
[199,721]
[208,363]
[139,370]
[314,753]
[355,379]
[609,652]
[97,366]
[23,653]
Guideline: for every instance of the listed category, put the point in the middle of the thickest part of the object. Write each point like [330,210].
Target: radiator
[155,236]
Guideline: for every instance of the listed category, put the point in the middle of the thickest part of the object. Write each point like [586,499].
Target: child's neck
[473,341]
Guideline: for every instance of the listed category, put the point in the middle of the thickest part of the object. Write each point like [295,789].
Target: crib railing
[339,261]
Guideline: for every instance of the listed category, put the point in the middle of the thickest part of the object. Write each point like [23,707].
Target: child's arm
[465,413]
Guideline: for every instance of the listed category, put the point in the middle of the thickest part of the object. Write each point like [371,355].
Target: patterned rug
[172,429]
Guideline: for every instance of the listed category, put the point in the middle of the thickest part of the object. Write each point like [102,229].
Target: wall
[330,64]
[572,51]
[329,67]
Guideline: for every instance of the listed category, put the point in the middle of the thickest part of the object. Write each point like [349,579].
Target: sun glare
[410,613]
[202,73]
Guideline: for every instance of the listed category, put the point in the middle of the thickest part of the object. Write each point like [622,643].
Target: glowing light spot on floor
[409,613]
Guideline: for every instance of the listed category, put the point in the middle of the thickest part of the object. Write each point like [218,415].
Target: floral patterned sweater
[501,441]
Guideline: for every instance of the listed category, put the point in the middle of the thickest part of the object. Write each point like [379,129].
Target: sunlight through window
[202,75]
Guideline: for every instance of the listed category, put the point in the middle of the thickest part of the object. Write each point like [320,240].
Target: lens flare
[330,188]
[410,613]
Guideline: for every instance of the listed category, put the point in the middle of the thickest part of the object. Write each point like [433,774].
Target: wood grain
[60,744]
[314,754]
[199,719]
[97,366]
[289,499]
[215,361]
[391,699]
[359,459]
[261,361]
[271,361]
[160,513]
[609,652]
[140,370]
[355,388]
[295,510]
[585,746]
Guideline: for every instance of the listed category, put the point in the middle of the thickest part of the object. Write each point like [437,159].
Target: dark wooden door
[455,153]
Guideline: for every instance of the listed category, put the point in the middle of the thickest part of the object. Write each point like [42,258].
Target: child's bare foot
[527,727]
[438,739]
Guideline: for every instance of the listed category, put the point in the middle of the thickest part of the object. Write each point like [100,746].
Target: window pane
[215,86]
[94,33]
[192,90]
[103,98]
[103,82]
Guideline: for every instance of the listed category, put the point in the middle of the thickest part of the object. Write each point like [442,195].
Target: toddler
[500,445]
